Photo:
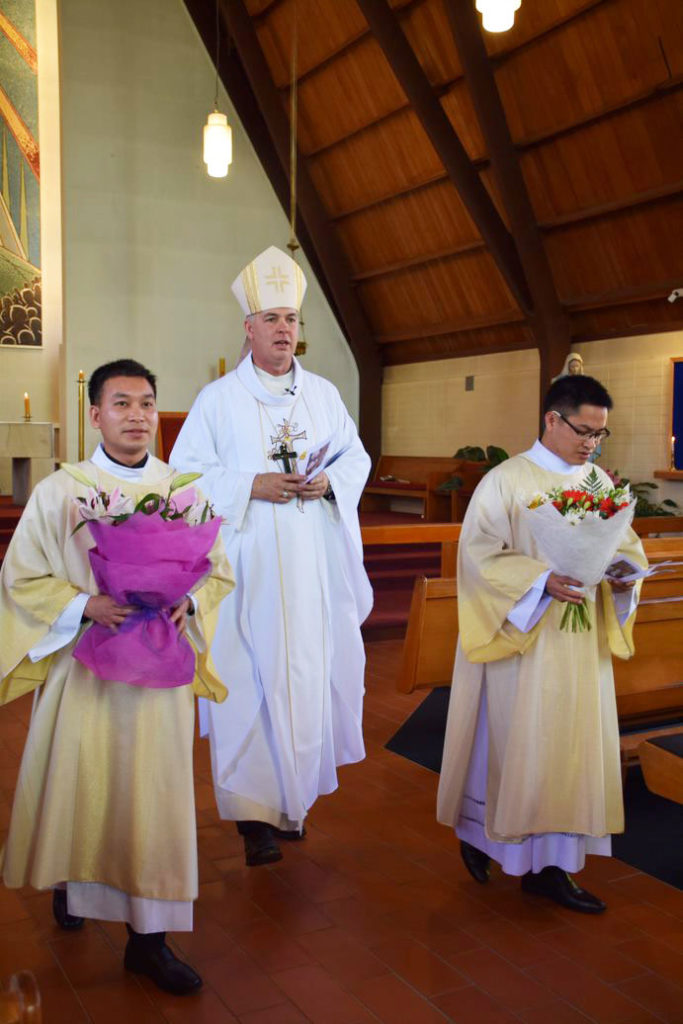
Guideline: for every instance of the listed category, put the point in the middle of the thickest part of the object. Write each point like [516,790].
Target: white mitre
[271,281]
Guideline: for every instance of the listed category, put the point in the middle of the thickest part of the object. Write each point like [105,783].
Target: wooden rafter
[453,252]
[313,216]
[447,144]
[550,323]
[472,323]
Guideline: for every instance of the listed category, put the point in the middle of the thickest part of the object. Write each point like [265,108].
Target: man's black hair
[119,368]
[568,393]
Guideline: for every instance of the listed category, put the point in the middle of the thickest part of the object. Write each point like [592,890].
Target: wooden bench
[661,759]
[648,526]
[412,476]
[649,686]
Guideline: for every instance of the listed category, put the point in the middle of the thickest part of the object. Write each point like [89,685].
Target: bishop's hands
[279,488]
[317,487]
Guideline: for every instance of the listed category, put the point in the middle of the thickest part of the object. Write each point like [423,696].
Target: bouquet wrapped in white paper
[578,531]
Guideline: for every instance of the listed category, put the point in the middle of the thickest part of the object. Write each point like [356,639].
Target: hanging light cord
[293,244]
[218,55]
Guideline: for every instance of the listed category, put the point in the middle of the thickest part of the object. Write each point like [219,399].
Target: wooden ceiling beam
[408,352]
[474,323]
[665,88]
[313,216]
[401,7]
[670,85]
[452,252]
[623,296]
[440,131]
[550,323]
[632,202]
[633,331]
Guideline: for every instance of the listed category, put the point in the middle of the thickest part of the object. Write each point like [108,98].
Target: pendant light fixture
[217,131]
[293,243]
[498,15]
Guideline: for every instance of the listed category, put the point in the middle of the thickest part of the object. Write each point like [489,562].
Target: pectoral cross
[286,433]
[282,450]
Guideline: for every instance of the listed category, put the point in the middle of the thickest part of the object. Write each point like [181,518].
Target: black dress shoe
[149,955]
[291,835]
[260,846]
[476,861]
[557,885]
[69,922]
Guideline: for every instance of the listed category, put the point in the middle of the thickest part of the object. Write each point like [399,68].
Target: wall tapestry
[20,294]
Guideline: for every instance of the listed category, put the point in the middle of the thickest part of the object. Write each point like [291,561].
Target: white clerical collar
[276,385]
[246,373]
[546,459]
[101,459]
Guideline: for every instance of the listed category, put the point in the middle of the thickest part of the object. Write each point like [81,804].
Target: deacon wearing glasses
[530,776]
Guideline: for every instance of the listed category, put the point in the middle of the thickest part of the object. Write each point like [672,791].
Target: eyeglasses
[588,435]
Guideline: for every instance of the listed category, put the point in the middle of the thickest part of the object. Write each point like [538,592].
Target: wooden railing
[445,534]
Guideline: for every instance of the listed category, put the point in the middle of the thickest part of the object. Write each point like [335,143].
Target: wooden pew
[661,759]
[648,526]
[418,477]
[431,636]
[649,686]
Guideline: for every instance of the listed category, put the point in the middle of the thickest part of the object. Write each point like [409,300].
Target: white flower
[119,504]
[197,513]
[92,506]
[574,517]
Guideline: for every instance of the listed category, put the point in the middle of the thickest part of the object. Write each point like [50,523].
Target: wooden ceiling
[463,192]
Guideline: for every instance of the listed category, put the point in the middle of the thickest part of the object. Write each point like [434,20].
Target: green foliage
[642,492]
[471,452]
[453,483]
[645,506]
[592,483]
[493,456]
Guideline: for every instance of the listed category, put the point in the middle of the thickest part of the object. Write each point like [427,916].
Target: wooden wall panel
[535,19]
[468,288]
[623,321]
[460,111]
[418,223]
[377,163]
[428,32]
[464,343]
[609,160]
[345,95]
[626,250]
[609,56]
[321,33]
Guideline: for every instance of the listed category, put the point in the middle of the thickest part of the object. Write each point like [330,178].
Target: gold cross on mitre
[278,279]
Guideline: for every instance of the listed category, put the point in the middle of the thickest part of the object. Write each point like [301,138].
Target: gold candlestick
[81,415]
[27,407]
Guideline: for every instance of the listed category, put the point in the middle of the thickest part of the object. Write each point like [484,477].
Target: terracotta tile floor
[371,918]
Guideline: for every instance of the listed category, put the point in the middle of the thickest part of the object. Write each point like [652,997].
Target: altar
[30,450]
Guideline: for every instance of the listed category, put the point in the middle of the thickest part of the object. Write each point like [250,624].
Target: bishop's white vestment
[531,770]
[104,801]
[288,644]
